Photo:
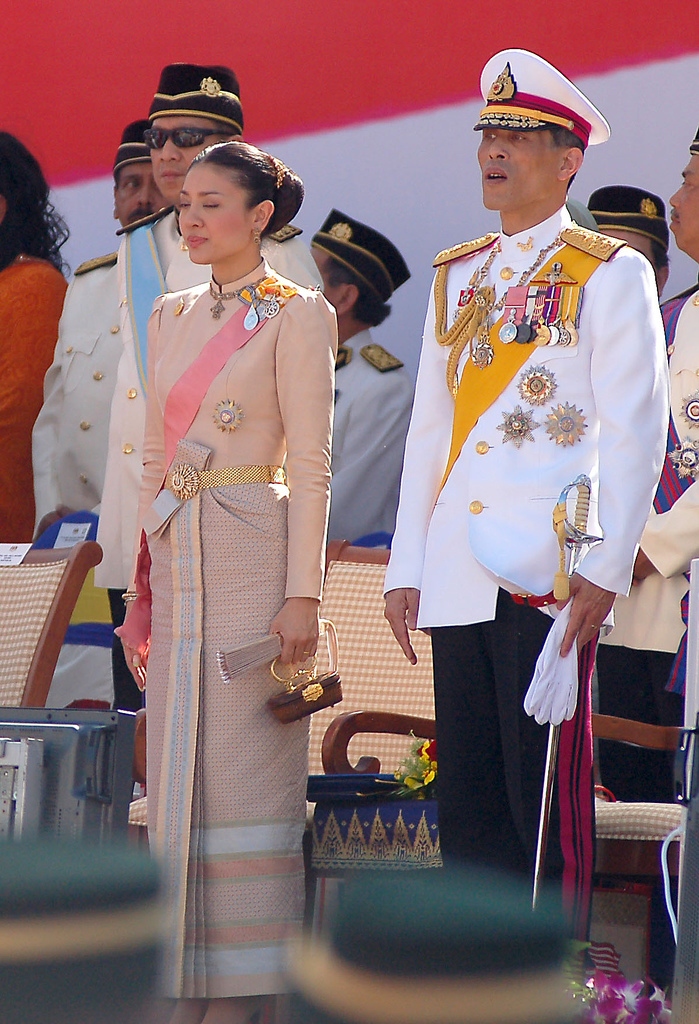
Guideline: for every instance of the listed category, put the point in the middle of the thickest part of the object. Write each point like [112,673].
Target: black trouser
[490,753]
[127,696]
[632,685]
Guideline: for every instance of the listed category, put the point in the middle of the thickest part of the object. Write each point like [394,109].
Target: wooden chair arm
[343,551]
[344,727]
[638,734]
[138,771]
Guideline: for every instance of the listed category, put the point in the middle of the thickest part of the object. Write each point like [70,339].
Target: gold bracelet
[130,595]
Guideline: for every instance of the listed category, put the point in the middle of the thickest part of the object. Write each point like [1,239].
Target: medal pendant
[572,331]
[272,308]
[251,319]
[217,309]
[508,332]
[524,334]
[564,337]
[555,335]
[482,355]
[543,335]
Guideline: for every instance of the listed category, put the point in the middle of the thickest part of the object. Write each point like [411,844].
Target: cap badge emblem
[648,208]
[341,230]
[504,87]
[210,87]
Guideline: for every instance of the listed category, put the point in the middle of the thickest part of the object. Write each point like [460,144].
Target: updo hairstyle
[260,175]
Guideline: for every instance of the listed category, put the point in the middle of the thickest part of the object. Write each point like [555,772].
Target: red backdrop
[75,72]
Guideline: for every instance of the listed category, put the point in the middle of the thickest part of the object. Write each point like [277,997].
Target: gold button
[695,300]
[114,329]
[670,349]
[476,507]
[84,425]
[482,447]
[69,349]
[507,273]
[97,375]
[123,301]
[127,449]
[83,478]
[131,393]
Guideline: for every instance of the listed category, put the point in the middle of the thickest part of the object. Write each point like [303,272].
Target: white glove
[553,692]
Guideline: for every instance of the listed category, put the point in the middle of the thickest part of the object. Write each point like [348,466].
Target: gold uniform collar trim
[465,249]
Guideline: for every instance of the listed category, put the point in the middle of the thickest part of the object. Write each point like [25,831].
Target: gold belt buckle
[185,481]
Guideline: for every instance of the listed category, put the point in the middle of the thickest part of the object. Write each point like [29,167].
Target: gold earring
[256,236]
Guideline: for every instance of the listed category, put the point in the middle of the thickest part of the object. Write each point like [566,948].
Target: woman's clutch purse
[304,690]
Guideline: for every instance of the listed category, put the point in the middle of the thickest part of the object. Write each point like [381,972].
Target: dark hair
[31,226]
[368,308]
[257,173]
[563,138]
[659,253]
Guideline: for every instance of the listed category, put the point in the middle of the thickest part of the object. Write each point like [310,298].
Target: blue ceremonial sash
[671,486]
[145,281]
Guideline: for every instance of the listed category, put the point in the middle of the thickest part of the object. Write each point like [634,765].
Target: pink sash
[187,393]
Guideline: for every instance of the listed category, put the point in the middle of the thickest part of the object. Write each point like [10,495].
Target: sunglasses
[183,138]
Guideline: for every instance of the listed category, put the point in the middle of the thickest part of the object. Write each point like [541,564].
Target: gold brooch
[648,208]
[341,230]
[566,424]
[228,415]
[537,385]
[526,246]
[504,87]
[517,426]
[210,87]
[184,481]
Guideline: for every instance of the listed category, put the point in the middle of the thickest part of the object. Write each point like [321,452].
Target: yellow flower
[429,777]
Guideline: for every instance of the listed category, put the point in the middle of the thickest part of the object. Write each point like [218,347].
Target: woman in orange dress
[32,288]
[234,505]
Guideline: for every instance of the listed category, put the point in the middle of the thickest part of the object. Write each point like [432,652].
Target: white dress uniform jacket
[491,526]
[649,619]
[117,528]
[372,411]
[69,441]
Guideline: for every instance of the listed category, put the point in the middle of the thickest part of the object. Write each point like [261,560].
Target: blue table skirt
[377,834]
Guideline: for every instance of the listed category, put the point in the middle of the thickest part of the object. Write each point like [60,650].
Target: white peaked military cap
[523,92]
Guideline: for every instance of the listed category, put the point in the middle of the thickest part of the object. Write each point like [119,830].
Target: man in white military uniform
[194,107]
[361,269]
[635,661]
[542,360]
[69,440]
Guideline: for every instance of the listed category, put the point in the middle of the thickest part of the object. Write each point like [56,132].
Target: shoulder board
[379,358]
[98,261]
[603,247]
[343,357]
[285,233]
[152,218]
[686,294]
[464,249]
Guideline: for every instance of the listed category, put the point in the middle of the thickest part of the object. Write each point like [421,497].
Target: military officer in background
[361,269]
[638,218]
[194,107]
[542,360]
[69,440]
[641,664]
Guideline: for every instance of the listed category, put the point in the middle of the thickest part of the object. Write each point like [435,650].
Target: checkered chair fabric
[27,593]
[622,820]
[376,676]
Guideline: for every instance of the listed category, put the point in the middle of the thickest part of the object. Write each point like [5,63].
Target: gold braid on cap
[280,170]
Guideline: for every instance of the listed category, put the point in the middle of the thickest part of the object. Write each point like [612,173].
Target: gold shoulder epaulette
[464,249]
[343,357]
[379,358]
[152,218]
[601,246]
[285,233]
[98,261]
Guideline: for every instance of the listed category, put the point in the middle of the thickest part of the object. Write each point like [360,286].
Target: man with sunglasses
[194,107]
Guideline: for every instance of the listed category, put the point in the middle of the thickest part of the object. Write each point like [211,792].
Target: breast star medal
[537,385]
[517,426]
[228,416]
[685,458]
[566,424]
[690,409]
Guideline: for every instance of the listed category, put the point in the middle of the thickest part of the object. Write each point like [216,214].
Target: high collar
[521,250]
[261,271]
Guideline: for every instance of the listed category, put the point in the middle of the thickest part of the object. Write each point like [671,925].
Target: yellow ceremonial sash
[478,388]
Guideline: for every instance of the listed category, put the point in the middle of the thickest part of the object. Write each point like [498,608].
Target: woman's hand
[297,625]
[136,657]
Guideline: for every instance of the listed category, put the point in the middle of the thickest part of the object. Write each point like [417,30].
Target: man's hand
[401,612]
[642,567]
[591,605]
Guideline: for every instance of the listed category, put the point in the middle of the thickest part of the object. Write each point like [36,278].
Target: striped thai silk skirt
[226,780]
